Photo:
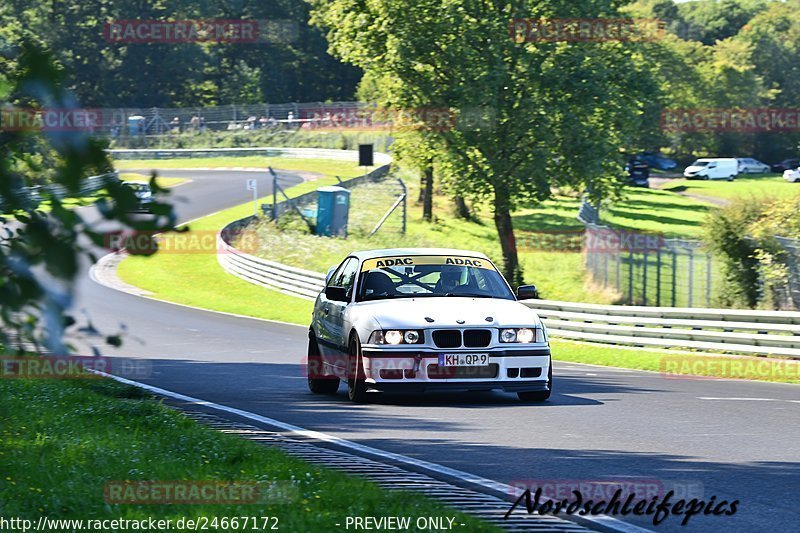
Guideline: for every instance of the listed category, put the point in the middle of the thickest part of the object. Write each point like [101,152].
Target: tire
[318,385]
[356,386]
[731,178]
[539,396]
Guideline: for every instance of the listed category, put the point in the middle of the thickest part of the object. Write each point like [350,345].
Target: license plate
[463,359]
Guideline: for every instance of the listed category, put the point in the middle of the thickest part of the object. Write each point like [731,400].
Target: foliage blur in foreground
[42,240]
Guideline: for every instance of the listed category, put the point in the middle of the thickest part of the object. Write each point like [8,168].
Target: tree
[40,250]
[529,115]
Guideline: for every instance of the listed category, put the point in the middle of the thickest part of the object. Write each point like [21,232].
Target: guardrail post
[691,275]
[708,280]
[630,276]
[274,197]
[674,277]
[405,205]
[644,278]
[658,277]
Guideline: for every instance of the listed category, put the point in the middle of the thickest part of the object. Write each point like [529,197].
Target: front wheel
[539,395]
[356,385]
[318,383]
[730,178]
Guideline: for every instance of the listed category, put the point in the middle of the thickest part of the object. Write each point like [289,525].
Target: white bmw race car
[425,320]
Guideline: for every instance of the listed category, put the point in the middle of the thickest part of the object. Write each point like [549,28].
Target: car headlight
[522,335]
[396,336]
[508,335]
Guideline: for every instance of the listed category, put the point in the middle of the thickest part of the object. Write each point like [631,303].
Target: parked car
[748,165]
[638,173]
[786,164]
[792,175]
[657,161]
[717,168]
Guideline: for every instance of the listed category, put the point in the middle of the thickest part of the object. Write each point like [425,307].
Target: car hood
[448,312]
[694,169]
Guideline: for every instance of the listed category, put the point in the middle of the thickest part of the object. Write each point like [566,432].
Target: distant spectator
[175,125]
[195,122]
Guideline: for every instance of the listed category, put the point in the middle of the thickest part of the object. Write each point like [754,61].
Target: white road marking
[747,399]
[601,520]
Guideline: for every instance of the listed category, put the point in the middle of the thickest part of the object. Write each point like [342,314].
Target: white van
[718,168]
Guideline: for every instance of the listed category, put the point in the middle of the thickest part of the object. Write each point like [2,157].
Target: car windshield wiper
[391,296]
[469,295]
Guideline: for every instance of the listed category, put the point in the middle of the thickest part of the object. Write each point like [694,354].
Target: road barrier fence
[88,187]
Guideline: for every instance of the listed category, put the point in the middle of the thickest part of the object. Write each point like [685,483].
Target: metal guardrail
[91,185]
[772,333]
[267,151]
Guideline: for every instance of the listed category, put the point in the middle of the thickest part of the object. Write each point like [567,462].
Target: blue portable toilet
[136,125]
[333,208]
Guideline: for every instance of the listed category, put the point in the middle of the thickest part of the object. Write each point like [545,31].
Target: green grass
[162,182]
[558,274]
[63,440]
[324,167]
[676,363]
[197,279]
[762,186]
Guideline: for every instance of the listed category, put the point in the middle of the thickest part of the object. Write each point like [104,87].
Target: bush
[743,236]
[727,238]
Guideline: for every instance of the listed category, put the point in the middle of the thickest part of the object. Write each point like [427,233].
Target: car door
[321,311]
[332,319]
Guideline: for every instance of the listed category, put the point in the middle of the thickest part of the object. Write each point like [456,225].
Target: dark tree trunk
[427,201]
[505,231]
[462,209]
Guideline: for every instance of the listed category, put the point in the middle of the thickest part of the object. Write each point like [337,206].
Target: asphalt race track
[733,440]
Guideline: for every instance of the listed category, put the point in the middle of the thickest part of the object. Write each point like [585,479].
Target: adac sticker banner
[414,260]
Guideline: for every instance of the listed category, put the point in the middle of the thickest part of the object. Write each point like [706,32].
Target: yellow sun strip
[413,260]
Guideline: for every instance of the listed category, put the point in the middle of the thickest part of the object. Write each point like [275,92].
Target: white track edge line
[602,520]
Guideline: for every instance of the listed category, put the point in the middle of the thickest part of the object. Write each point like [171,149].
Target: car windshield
[139,187]
[700,163]
[430,276]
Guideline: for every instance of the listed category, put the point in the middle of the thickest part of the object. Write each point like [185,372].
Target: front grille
[447,338]
[477,338]
[463,372]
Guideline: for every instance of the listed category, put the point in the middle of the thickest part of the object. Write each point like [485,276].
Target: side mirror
[331,270]
[336,294]
[527,292]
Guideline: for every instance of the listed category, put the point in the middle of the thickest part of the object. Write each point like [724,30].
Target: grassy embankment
[63,440]
[198,280]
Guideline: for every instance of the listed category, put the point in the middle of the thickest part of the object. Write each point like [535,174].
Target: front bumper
[510,370]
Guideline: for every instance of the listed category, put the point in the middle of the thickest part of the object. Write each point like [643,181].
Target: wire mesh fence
[378,203]
[647,269]
[134,121]
[791,248]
